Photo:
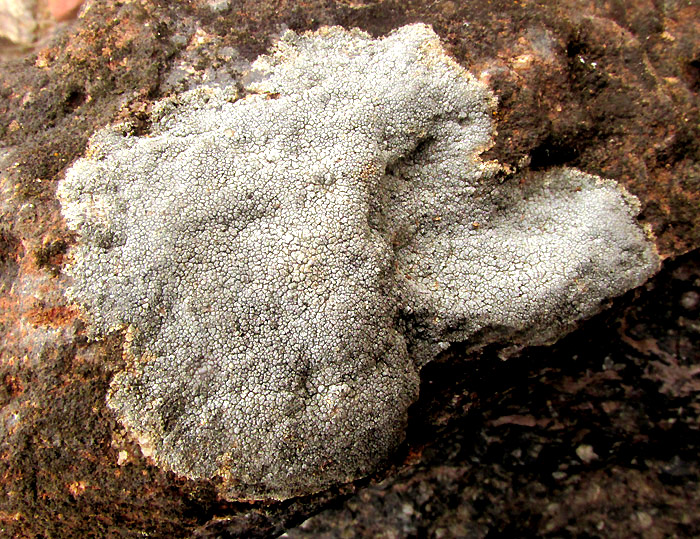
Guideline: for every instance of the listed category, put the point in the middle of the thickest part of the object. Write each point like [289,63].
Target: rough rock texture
[607,87]
[285,263]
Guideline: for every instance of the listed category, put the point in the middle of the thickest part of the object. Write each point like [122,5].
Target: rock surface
[285,258]
[555,442]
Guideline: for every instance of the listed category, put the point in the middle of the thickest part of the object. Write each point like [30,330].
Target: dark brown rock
[609,87]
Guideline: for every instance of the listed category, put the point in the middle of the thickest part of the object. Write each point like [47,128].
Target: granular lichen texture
[284,260]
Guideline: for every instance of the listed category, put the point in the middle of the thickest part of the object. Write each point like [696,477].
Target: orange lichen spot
[54,317]
[76,488]
[8,517]
[414,455]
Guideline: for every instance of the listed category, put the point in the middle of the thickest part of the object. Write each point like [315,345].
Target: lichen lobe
[284,267]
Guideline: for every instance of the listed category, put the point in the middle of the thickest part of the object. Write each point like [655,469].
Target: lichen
[283,262]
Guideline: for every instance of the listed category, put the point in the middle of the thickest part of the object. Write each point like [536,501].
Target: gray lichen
[284,262]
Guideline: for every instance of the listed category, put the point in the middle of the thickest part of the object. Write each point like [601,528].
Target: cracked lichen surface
[285,261]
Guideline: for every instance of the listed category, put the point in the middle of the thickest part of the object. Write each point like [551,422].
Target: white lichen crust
[284,263]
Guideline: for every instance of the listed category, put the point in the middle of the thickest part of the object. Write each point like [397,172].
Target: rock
[285,262]
[608,88]
[18,20]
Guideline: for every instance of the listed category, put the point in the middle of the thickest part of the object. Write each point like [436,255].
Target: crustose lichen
[285,262]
